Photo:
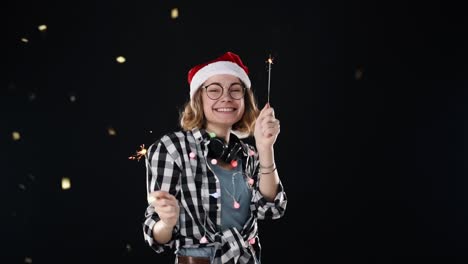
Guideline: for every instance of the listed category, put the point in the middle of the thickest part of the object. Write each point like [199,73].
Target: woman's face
[226,110]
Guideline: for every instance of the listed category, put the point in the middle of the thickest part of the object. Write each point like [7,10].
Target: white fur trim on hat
[215,68]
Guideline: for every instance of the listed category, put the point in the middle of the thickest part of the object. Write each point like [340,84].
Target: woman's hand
[166,205]
[267,128]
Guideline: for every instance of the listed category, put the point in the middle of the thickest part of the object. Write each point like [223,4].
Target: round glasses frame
[230,91]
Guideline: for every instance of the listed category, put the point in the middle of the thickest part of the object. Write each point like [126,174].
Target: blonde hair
[192,115]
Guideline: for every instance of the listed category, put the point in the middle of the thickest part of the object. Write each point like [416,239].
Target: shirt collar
[200,134]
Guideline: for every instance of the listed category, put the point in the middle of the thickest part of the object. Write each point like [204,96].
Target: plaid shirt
[169,167]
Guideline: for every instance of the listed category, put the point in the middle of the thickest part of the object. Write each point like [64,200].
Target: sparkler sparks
[139,153]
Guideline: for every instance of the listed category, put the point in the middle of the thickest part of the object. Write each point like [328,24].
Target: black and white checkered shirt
[171,167]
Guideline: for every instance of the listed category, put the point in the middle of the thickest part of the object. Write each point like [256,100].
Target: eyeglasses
[214,91]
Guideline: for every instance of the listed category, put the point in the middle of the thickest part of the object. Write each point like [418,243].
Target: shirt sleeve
[162,173]
[268,210]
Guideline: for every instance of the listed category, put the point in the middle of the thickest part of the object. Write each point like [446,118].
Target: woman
[206,187]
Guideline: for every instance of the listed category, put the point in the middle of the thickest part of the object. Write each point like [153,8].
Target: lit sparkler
[270,61]
[139,153]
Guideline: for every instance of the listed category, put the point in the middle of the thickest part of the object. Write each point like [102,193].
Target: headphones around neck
[220,150]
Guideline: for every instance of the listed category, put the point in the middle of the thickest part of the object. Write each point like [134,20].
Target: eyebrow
[218,83]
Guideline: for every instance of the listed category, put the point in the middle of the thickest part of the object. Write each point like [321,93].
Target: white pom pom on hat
[228,63]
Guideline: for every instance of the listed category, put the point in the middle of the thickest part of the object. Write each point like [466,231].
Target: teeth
[225,109]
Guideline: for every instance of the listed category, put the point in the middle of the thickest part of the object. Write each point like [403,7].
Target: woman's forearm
[269,177]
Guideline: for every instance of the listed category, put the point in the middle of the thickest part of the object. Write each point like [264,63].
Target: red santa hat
[228,63]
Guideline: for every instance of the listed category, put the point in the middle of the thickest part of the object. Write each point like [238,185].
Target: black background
[370,94]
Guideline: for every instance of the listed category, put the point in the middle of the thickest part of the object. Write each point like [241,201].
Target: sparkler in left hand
[139,153]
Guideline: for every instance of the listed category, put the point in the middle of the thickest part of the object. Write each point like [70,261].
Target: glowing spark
[121,59]
[16,136]
[42,28]
[174,13]
[24,40]
[139,153]
[66,183]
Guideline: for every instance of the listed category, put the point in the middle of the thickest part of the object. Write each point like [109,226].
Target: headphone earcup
[217,148]
[233,152]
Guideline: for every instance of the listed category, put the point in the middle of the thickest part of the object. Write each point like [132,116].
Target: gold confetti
[111,131]
[42,27]
[358,73]
[16,136]
[24,40]
[174,13]
[120,59]
[66,184]
[139,153]
[128,247]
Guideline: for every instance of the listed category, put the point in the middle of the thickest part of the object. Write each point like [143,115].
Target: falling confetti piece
[121,59]
[111,131]
[192,155]
[16,136]
[252,241]
[236,205]
[214,161]
[359,73]
[174,13]
[24,40]
[251,152]
[66,184]
[139,153]
[31,177]
[32,96]
[42,28]
[212,134]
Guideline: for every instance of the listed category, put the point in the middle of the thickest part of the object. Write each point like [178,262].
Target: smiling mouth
[225,109]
